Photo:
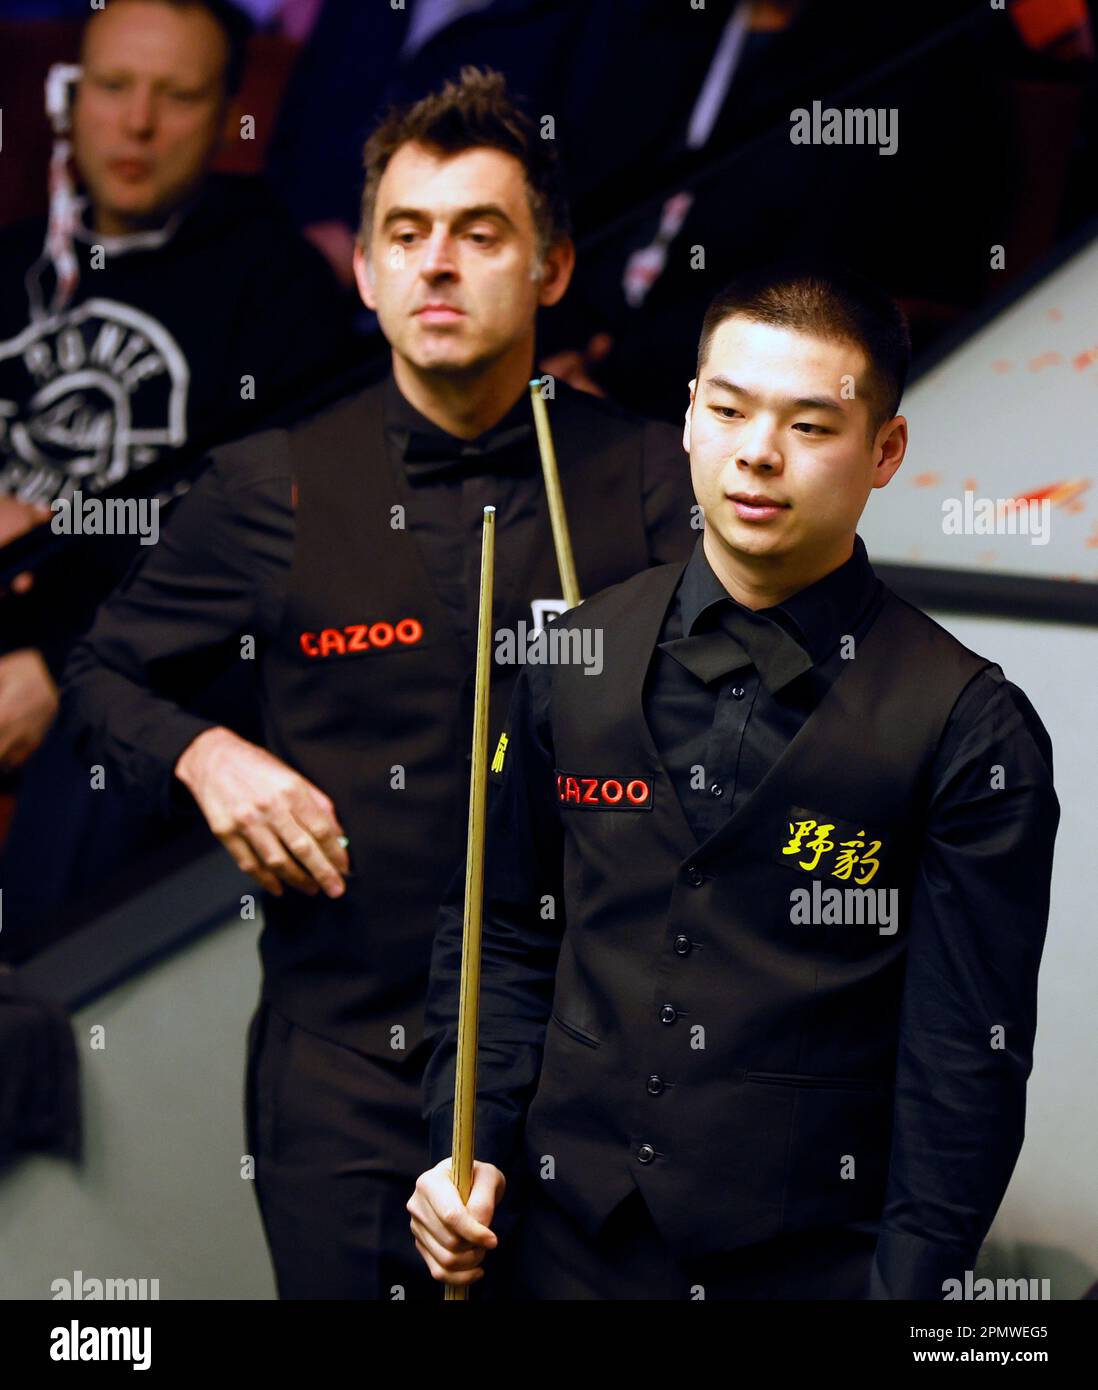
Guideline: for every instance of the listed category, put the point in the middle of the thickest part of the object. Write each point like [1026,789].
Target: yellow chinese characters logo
[500,754]
[828,847]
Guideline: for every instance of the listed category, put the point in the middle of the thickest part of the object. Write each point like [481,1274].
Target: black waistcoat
[384,725]
[734,1066]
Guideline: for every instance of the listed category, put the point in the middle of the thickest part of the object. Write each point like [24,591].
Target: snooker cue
[558,519]
[465,1073]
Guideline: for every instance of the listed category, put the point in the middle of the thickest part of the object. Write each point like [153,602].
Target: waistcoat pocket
[574,1031]
[835,1083]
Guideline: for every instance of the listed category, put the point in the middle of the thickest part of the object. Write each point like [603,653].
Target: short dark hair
[828,301]
[234,24]
[477,110]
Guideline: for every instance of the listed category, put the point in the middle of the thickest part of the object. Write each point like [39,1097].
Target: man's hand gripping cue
[454,1236]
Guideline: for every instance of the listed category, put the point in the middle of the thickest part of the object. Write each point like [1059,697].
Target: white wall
[159,1193]
[1048,1224]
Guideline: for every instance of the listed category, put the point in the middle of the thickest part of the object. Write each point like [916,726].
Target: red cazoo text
[604,793]
[361,637]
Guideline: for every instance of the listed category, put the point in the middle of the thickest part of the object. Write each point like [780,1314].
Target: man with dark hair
[138,326]
[773,1041]
[476,108]
[348,549]
[829,302]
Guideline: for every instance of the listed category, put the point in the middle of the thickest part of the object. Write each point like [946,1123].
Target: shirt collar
[429,451]
[829,609]
[721,635]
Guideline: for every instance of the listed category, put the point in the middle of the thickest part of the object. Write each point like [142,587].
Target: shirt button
[646,1153]
[716,789]
[683,945]
[694,877]
[655,1085]
[668,1014]
[738,692]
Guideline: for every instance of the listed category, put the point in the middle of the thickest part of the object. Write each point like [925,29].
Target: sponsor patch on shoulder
[605,793]
[814,843]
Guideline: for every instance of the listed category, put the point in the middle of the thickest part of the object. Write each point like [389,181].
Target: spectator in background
[710,168]
[171,309]
[636,167]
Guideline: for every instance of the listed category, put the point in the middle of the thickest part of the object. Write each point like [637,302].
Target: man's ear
[364,276]
[689,416]
[892,444]
[556,273]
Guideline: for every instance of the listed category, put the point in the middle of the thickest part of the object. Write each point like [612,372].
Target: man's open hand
[453,1236]
[276,825]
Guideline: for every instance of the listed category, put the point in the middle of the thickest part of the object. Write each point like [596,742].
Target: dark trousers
[338,1142]
[628,1259]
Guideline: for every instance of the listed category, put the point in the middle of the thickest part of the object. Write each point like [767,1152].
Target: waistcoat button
[655,1085]
[668,1014]
[716,789]
[646,1153]
[694,877]
[683,945]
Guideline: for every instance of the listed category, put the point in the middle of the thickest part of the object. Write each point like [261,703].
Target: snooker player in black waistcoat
[346,550]
[766,897]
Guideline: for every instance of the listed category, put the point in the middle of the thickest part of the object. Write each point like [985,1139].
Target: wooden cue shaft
[558,518]
[465,1078]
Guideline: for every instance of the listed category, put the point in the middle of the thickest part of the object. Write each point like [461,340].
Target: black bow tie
[777,656]
[439,455]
